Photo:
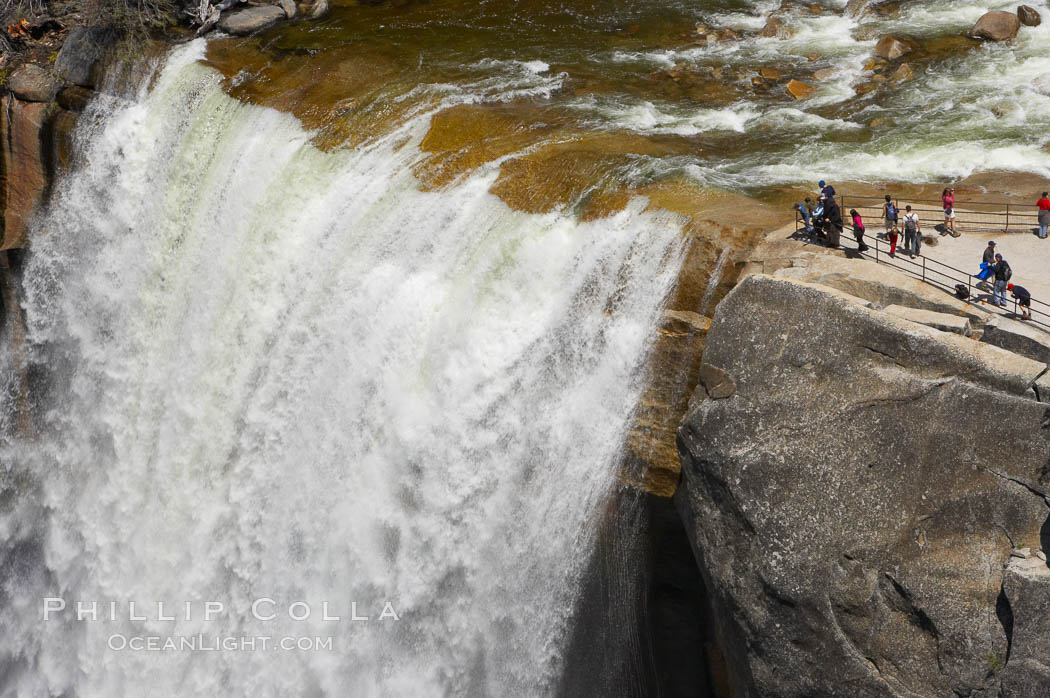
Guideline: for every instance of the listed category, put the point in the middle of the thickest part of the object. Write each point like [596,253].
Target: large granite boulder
[31,83]
[853,500]
[81,52]
[251,19]
[996,25]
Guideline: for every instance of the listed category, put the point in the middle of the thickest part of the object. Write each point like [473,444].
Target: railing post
[1007,228]
[923,266]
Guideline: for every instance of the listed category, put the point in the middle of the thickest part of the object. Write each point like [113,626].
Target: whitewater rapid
[283,374]
[978,109]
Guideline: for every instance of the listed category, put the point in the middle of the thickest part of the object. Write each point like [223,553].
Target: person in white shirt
[912,232]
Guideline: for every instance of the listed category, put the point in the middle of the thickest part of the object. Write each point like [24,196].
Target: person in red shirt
[1044,215]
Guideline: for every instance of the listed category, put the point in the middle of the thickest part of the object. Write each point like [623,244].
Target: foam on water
[982,108]
[291,374]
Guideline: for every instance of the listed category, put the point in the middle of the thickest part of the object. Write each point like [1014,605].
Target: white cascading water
[288,374]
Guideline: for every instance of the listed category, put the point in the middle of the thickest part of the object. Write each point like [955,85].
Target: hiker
[912,232]
[889,215]
[987,262]
[893,235]
[1003,272]
[833,222]
[1044,214]
[1024,300]
[858,229]
[826,191]
[806,210]
[948,199]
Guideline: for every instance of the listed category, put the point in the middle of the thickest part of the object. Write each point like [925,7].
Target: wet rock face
[996,26]
[22,125]
[853,502]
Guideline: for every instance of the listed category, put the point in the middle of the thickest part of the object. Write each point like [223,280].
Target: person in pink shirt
[948,198]
[858,230]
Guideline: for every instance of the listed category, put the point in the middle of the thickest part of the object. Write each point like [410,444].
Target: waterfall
[288,375]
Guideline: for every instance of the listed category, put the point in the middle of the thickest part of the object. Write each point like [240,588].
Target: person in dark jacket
[1024,299]
[827,191]
[832,223]
[1003,272]
[987,264]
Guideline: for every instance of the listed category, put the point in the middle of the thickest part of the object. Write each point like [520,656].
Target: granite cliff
[858,469]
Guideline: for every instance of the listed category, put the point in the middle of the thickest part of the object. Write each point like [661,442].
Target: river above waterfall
[588,99]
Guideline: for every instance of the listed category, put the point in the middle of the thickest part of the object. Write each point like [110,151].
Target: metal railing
[938,274]
[972,217]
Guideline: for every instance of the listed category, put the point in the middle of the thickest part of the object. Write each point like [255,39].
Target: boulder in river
[251,19]
[775,28]
[891,48]
[996,25]
[31,83]
[851,503]
[823,74]
[902,73]
[799,90]
[1029,16]
[290,10]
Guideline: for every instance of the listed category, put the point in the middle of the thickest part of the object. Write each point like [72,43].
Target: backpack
[1009,272]
[891,212]
[909,224]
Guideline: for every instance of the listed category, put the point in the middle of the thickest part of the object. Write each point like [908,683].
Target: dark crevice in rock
[1028,486]
[1005,615]
[643,626]
[891,357]
[1044,536]
[901,600]
[906,399]
[1035,387]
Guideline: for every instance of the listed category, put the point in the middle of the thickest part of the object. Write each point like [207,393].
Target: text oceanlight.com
[215,643]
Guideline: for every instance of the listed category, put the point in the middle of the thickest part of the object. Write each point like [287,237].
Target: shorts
[1024,302]
[949,213]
